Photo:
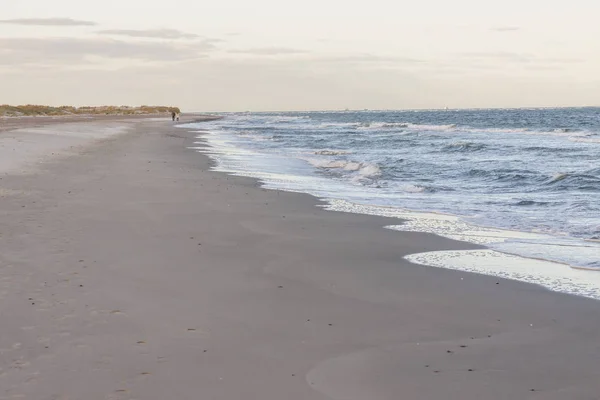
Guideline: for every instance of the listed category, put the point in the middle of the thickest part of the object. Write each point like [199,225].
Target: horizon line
[397,109]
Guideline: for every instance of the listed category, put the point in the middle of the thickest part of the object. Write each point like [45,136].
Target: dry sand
[129,271]
[11,123]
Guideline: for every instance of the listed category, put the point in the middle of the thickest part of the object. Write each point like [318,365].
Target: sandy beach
[129,270]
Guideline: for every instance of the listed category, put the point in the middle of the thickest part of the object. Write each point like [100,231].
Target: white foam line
[554,276]
[551,275]
[445,225]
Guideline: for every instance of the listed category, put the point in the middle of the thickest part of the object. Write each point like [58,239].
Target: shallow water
[523,182]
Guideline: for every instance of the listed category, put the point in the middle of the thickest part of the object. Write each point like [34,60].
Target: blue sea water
[525,170]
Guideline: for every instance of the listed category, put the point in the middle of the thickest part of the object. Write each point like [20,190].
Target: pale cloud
[511,57]
[66,51]
[506,28]
[349,54]
[322,58]
[502,55]
[220,84]
[478,64]
[268,51]
[47,22]
[368,59]
[150,33]
[214,84]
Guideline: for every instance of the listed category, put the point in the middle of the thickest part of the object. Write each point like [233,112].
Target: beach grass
[31,110]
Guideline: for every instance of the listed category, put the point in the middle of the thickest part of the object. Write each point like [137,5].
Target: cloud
[368,59]
[150,33]
[69,51]
[225,84]
[47,22]
[520,58]
[269,51]
[499,56]
[504,63]
[345,59]
[264,83]
[506,28]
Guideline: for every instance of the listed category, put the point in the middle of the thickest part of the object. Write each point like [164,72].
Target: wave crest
[464,146]
[364,170]
[578,181]
[332,152]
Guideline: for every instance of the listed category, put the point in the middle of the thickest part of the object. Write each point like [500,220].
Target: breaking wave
[365,170]
[332,152]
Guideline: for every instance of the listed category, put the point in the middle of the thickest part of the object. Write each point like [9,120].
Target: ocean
[525,183]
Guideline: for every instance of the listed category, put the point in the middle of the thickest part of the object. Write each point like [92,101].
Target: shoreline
[8,123]
[152,277]
[529,249]
[325,204]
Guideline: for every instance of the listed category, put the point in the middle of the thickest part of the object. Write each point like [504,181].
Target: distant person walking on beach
[173,115]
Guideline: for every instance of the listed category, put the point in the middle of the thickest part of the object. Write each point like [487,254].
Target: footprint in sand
[66,316]
[28,328]
[20,364]
[43,340]
[32,379]
[143,376]
[119,394]
[96,313]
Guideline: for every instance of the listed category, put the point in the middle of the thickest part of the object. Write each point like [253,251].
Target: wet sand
[11,123]
[128,270]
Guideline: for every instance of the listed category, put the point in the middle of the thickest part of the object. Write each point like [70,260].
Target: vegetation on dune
[37,110]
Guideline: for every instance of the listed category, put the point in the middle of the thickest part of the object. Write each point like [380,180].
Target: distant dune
[37,110]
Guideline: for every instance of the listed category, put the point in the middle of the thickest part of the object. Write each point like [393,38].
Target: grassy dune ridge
[39,110]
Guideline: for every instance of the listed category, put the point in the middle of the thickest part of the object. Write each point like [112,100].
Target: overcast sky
[238,55]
